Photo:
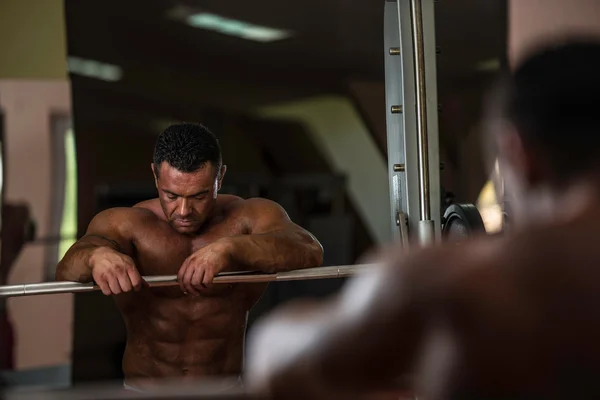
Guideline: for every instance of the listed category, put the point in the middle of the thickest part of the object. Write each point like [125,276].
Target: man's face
[188,199]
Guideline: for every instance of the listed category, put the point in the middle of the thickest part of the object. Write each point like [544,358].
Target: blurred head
[188,172]
[544,123]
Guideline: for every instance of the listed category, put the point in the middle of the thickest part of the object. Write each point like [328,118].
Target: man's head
[188,172]
[544,122]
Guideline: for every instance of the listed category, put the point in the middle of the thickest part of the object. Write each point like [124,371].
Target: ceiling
[170,70]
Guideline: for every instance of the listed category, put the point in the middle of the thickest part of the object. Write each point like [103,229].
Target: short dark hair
[553,100]
[187,147]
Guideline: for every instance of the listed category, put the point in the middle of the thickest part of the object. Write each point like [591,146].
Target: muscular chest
[161,251]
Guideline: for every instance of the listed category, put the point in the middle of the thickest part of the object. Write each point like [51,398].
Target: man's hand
[198,270]
[114,272]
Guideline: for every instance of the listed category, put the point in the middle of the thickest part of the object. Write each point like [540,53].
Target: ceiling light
[94,69]
[232,27]
[490,65]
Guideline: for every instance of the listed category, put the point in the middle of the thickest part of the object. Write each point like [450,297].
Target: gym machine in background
[412,129]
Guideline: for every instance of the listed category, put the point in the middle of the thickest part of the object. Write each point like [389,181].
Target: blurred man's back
[515,317]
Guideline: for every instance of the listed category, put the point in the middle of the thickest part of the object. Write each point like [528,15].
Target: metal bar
[433,226]
[222,389]
[421,104]
[415,188]
[32,289]
[226,388]
[395,119]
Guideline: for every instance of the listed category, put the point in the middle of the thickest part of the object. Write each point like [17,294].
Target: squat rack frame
[412,120]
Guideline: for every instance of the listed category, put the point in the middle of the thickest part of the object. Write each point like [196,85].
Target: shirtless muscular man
[197,329]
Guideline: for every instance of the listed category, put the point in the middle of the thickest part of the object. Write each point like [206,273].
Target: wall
[32,39]
[42,323]
[460,139]
[33,85]
[460,147]
[369,97]
[338,130]
[535,22]
[112,156]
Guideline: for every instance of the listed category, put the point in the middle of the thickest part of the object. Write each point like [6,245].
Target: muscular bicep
[113,227]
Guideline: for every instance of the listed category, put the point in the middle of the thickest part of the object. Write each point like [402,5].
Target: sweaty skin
[514,317]
[175,335]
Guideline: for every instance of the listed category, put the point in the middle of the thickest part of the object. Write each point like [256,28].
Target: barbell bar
[222,389]
[341,271]
[226,388]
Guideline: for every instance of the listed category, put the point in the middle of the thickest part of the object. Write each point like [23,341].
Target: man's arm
[109,229]
[274,242]
[365,339]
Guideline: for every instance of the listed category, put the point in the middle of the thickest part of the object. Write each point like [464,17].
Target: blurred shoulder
[431,273]
[485,267]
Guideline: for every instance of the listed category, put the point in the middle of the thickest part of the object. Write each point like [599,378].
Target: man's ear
[154,174]
[220,177]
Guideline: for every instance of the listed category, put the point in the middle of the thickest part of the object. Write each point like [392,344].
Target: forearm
[276,251]
[75,265]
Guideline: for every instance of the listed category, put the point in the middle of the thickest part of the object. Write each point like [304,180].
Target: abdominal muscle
[183,338]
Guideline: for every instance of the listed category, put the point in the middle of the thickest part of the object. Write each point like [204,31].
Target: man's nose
[185,208]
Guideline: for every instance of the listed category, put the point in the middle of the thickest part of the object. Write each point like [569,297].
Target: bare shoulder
[152,205]
[430,274]
[258,206]
[546,256]
[121,217]
[486,269]
[259,215]
[229,201]
[489,274]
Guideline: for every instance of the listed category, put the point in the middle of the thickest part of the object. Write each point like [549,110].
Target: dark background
[173,72]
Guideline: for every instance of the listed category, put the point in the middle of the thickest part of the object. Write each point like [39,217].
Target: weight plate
[461,221]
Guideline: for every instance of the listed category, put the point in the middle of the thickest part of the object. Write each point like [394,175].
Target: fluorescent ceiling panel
[233,27]
[94,69]
[490,65]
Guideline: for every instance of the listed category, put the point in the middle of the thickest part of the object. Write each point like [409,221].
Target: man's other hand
[199,269]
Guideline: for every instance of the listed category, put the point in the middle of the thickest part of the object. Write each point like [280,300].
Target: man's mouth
[184,222]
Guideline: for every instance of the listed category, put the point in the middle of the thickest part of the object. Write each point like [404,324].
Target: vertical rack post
[394,122]
[412,120]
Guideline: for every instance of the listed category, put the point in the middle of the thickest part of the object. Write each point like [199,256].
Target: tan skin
[196,329]
[490,319]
